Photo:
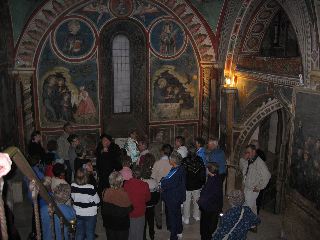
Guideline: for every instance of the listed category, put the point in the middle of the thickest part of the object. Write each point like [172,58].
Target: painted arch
[50,13]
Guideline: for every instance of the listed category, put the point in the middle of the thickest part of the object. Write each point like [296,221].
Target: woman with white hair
[237,221]
[116,208]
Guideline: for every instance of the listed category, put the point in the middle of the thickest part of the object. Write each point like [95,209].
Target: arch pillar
[24,77]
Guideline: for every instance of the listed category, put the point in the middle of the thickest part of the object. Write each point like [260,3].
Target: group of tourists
[133,189]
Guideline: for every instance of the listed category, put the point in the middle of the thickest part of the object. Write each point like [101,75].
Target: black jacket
[107,162]
[195,172]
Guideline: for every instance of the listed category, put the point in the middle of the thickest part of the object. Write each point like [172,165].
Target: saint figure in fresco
[121,8]
[74,44]
[168,39]
[160,91]
[48,94]
[86,106]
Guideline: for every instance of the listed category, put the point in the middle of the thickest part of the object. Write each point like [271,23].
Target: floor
[270,227]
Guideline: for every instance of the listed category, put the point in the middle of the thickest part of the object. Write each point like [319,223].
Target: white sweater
[258,174]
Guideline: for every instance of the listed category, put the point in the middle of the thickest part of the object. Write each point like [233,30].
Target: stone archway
[266,109]
[247,18]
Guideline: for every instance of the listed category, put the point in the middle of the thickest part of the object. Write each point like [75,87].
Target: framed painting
[174,88]
[305,153]
[162,134]
[189,131]
[88,138]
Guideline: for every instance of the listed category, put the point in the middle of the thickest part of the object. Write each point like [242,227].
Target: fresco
[188,131]
[248,90]
[210,9]
[167,38]
[121,8]
[97,12]
[67,91]
[20,11]
[174,88]
[146,12]
[88,138]
[162,134]
[74,39]
[305,173]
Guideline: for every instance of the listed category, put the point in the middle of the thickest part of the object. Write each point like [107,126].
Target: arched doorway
[123,55]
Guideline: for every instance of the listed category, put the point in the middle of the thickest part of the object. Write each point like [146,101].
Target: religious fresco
[88,138]
[167,38]
[146,12]
[162,134]
[97,12]
[188,131]
[67,91]
[210,9]
[174,88]
[121,8]
[74,38]
[305,158]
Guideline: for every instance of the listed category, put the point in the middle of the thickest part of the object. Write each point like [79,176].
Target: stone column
[208,82]
[24,77]
[230,96]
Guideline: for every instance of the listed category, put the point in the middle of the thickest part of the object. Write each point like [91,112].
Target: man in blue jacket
[216,155]
[173,193]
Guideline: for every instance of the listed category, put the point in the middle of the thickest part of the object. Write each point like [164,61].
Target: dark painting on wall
[146,12]
[305,158]
[162,134]
[67,91]
[188,131]
[88,138]
[97,11]
[167,38]
[74,38]
[174,88]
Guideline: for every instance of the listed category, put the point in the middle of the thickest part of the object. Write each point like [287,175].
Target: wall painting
[174,88]
[88,138]
[67,91]
[305,158]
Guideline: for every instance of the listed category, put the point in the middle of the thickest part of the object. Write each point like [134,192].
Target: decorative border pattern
[249,125]
[268,78]
[258,26]
[47,15]
[75,59]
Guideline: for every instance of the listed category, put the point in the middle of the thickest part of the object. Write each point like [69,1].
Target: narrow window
[121,74]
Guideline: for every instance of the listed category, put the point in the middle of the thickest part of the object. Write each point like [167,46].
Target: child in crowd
[85,202]
[126,171]
[131,146]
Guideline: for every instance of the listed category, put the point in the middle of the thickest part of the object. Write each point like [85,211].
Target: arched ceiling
[48,14]
[247,32]
[258,27]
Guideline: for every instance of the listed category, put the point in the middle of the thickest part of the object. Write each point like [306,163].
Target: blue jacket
[68,212]
[202,153]
[211,196]
[174,186]
[217,156]
[230,218]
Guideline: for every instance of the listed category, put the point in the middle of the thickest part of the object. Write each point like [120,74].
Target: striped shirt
[85,199]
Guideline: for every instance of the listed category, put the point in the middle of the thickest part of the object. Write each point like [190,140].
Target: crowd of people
[133,189]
